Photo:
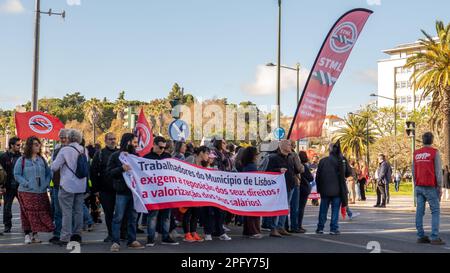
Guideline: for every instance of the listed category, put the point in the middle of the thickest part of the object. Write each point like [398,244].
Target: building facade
[395,81]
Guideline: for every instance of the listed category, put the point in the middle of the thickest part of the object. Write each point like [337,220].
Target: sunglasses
[36,144]
[162,147]
[18,145]
[111,139]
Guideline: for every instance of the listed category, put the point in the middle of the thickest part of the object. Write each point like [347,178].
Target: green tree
[353,137]
[431,74]
[120,105]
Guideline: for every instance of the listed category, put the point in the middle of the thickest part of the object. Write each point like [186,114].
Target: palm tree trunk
[446,128]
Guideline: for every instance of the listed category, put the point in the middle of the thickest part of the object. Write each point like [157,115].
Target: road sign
[179,130]
[279,133]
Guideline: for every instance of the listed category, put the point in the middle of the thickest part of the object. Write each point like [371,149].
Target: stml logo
[423,156]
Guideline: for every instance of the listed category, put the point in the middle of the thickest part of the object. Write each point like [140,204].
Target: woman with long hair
[33,175]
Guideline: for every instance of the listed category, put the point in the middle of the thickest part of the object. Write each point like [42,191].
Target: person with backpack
[102,184]
[10,187]
[428,180]
[33,175]
[72,161]
[54,189]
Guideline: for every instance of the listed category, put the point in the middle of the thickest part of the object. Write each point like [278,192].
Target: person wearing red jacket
[427,177]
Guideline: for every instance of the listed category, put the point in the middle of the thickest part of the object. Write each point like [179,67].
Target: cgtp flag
[37,124]
[329,64]
[144,133]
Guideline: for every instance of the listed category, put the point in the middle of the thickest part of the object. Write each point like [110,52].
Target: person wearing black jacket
[101,184]
[158,153]
[124,197]
[331,184]
[8,160]
[305,190]
[280,162]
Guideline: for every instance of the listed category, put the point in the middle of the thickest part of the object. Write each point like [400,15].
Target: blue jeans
[124,207]
[294,205]
[87,218]
[349,212]
[430,195]
[325,203]
[56,211]
[397,185]
[278,222]
[151,223]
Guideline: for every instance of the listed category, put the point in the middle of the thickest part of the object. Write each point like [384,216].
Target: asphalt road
[392,229]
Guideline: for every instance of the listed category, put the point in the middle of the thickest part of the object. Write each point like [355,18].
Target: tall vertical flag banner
[143,131]
[329,64]
[37,124]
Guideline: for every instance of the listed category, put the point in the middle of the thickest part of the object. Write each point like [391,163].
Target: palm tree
[119,106]
[93,112]
[431,74]
[353,137]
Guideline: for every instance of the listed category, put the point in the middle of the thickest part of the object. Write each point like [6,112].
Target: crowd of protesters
[63,195]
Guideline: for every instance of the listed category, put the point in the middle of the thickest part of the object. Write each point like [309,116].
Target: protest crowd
[67,193]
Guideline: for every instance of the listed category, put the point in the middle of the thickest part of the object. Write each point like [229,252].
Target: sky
[213,48]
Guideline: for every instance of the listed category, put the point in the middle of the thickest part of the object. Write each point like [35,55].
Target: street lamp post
[297,69]
[278,123]
[395,123]
[37,35]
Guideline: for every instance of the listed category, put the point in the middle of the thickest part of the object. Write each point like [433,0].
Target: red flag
[329,64]
[144,133]
[37,124]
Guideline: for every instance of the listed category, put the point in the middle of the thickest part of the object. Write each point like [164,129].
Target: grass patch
[406,188]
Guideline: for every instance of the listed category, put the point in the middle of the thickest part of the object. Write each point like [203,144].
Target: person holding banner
[124,205]
[33,175]
[252,227]
[213,218]
[158,153]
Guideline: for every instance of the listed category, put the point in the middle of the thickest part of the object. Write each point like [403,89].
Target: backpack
[82,170]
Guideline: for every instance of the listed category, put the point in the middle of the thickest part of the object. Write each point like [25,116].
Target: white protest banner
[171,183]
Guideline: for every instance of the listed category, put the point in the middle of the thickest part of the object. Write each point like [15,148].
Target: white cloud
[74,2]
[374,2]
[266,80]
[11,6]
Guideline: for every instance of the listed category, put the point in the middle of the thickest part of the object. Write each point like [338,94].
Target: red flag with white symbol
[37,124]
[143,131]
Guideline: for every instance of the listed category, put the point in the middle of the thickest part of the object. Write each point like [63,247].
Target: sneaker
[424,240]
[336,232]
[301,230]
[28,239]
[208,237]
[256,236]
[169,241]
[76,238]
[225,237]
[197,237]
[188,238]
[7,230]
[54,240]
[437,242]
[376,206]
[90,228]
[115,247]
[175,234]
[107,239]
[275,233]
[35,239]
[283,232]
[136,245]
[150,242]
[319,231]
[226,229]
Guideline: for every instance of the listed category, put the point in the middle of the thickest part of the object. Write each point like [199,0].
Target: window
[409,99]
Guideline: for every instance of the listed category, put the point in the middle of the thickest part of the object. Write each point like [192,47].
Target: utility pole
[278,123]
[37,36]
